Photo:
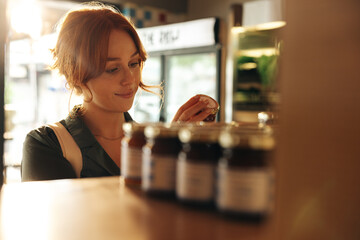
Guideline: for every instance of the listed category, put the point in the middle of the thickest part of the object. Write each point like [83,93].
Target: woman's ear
[78,90]
[86,93]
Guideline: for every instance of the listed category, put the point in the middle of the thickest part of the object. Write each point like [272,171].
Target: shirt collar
[80,132]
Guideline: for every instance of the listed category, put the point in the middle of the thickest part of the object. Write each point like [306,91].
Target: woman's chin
[125,107]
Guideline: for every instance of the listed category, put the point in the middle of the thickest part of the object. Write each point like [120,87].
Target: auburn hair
[82,45]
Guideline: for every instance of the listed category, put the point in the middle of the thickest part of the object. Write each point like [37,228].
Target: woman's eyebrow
[134,54]
[117,59]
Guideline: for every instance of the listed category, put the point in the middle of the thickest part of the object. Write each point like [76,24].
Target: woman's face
[114,89]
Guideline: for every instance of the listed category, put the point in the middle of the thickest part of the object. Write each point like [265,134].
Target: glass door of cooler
[187,75]
[147,106]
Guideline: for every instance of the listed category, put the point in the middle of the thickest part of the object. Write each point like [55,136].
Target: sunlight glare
[25,17]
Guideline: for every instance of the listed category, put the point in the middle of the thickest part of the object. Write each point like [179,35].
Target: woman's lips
[125,95]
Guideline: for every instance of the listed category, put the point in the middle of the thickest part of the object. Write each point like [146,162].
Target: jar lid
[212,104]
[244,138]
[130,127]
[206,133]
[156,130]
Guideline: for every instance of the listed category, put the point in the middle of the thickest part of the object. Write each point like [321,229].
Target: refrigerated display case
[184,58]
[255,55]
[146,107]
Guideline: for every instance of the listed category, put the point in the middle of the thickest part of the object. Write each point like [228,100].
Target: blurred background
[296,59]
[188,51]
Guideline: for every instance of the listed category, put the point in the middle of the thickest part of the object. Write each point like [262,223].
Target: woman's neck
[105,124]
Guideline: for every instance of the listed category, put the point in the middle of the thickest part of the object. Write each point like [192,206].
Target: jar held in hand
[199,108]
[212,104]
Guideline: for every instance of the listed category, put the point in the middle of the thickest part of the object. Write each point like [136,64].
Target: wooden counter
[104,208]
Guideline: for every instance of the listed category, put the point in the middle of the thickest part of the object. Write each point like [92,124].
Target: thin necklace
[109,139]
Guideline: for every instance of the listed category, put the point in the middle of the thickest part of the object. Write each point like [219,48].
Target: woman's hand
[193,110]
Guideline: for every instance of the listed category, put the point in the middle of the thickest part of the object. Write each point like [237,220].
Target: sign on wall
[196,33]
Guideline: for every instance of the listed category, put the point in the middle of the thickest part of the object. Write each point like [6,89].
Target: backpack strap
[70,149]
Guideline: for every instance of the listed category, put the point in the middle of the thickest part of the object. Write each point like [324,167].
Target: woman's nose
[127,77]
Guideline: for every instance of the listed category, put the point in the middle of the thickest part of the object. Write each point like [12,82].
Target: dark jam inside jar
[159,161]
[245,179]
[244,158]
[195,185]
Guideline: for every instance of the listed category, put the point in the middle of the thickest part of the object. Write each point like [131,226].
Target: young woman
[101,56]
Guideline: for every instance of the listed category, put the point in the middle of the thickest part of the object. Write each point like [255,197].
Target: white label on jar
[131,162]
[243,190]
[195,181]
[158,172]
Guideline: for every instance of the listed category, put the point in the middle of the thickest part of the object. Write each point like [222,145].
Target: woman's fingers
[184,107]
[197,108]
[193,111]
[201,116]
[196,112]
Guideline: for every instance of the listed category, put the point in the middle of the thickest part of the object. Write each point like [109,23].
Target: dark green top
[43,158]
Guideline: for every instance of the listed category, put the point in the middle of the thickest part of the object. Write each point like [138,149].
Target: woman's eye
[134,64]
[112,70]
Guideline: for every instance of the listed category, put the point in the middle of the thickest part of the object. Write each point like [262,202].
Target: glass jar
[195,172]
[244,174]
[212,104]
[159,159]
[131,153]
